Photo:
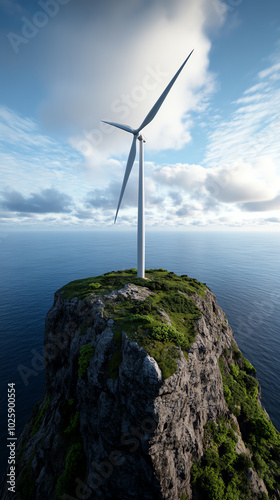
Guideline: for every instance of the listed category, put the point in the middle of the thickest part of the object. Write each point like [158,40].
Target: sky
[212,156]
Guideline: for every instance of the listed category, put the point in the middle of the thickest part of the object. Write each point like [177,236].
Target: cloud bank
[111,60]
[48,201]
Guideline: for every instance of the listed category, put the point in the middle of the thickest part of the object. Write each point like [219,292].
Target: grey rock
[256,483]
[141,434]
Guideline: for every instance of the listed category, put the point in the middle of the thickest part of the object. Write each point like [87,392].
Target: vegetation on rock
[66,482]
[157,279]
[160,316]
[75,460]
[26,482]
[222,474]
[143,320]
[39,417]
[86,353]
[114,364]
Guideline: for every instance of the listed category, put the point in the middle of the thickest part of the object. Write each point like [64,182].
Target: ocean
[241,268]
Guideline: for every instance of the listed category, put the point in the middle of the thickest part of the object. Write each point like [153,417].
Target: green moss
[26,482]
[35,425]
[132,322]
[94,286]
[86,353]
[142,320]
[226,352]
[248,367]
[73,463]
[234,370]
[240,389]
[222,473]
[167,334]
[235,352]
[156,279]
[114,364]
[20,451]
[165,355]
[118,336]
[260,436]
[73,425]
[69,422]
[86,323]
[176,302]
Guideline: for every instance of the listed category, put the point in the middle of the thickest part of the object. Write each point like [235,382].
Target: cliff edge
[147,396]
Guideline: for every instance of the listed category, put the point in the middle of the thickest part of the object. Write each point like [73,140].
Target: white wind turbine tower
[131,157]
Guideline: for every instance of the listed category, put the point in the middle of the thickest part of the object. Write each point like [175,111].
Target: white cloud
[186,176]
[92,72]
[234,183]
[244,182]
[255,88]
[252,130]
[20,131]
[30,160]
[264,206]
[243,152]
[115,65]
[48,201]
[43,175]
[271,71]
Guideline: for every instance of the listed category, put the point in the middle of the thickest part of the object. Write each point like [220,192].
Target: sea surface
[242,269]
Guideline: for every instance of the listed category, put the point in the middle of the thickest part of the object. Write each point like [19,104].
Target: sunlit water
[243,270]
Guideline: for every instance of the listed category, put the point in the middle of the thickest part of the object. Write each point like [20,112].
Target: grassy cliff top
[160,318]
[156,279]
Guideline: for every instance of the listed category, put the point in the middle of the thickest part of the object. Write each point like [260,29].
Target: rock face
[121,431]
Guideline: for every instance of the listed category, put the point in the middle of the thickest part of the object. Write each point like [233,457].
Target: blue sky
[212,152]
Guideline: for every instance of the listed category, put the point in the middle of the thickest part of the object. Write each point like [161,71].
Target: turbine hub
[141,138]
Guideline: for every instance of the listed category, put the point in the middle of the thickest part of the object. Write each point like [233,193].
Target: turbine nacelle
[127,128]
[141,137]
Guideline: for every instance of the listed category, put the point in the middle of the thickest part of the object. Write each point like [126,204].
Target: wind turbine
[131,157]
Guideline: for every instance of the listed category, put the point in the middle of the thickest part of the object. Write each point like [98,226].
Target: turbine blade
[160,100]
[120,125]
[129,165]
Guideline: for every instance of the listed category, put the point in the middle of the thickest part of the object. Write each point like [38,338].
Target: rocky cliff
[147,396]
